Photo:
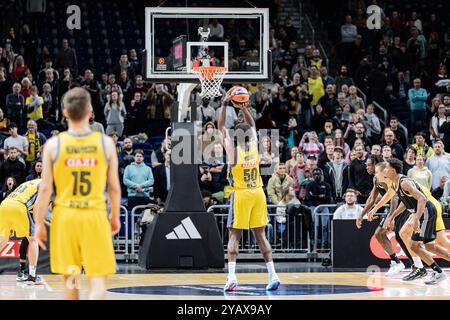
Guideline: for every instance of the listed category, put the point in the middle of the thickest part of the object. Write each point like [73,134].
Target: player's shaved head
[77,104]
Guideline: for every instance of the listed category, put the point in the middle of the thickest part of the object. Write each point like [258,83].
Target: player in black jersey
[422,220]
[380,186]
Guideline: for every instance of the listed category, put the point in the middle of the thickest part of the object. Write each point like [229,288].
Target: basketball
[239,96]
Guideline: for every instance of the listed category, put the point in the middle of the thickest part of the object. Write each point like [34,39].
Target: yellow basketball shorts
[248,209]
[81,238]
[439,221]
[14,216]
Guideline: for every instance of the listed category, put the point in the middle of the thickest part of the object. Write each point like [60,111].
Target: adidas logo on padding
[186,230]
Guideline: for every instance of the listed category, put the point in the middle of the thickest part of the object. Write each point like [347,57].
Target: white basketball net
[210,80]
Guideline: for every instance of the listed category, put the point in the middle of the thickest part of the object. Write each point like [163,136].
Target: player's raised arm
[384,200]
[113,185]
[45,191]
[247,116]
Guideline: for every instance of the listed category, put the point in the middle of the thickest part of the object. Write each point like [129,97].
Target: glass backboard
[236,38]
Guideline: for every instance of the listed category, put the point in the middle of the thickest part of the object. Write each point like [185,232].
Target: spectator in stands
[138,178]
[15,104]
[126,157]
[438,192]
[12,167]
[67,58]
[18,72]
[206,113]
[417,43]
[420,173]
[125,84]
[134,61]
[4,123]
[34,104]
[301,174]
[418,104]
[372,124]
[355,102]
[159,107]
[310,144]
[26,87]
[301,63]
[135,122]
[356,131]
[140,86]
[350,210]
[292,133]
[358,177]
[315,85]
[124,65]
[42,74]
[349,32]
[389,139]
[115,114]
[162,179]
[65,83]
[401,88]
[326,156]
[327,132]
[217,167]
[36,170]
[283,78]
[343,78]
[334,174]
[386,153]
[340,142]
[376,150]
[94,125]
[158,155]
[326,78]
[439,164]
[329,102]
[318,193]
[410,159]
[291,162]
[445,129]
[92,85]
[8,187]
[5,85]
[216,30]
[278,182]
[18,142]
[421,146]
[437,121]
[400,134]
[36,141]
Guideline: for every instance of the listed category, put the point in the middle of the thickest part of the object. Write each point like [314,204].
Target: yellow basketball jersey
[26,193]
[80,172]
[315,87]
[244,174]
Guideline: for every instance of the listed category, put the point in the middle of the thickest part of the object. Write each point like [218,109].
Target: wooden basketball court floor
[203,286]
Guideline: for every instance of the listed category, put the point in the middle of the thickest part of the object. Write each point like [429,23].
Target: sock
[231,268]
[418,262]
[271,269]
[435,267]
[22,266]
[394,258]
[32,271]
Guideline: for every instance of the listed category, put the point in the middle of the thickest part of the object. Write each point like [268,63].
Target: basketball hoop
[210,80]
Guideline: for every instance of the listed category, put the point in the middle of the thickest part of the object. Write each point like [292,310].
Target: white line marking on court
[47,286]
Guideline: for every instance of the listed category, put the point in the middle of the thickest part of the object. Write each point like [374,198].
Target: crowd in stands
[327,129]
